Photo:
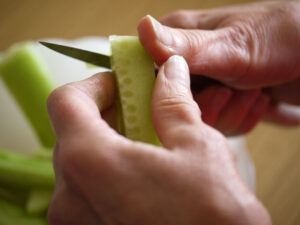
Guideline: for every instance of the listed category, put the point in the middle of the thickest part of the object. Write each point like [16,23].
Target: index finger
[75,107]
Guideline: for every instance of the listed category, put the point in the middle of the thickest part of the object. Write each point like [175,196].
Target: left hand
[106,179]
[233,112]
[238,46]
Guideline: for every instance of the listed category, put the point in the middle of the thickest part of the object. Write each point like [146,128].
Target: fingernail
[176,68]
[153,22]
[163,34]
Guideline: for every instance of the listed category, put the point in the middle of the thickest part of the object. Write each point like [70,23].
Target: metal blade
[83,55]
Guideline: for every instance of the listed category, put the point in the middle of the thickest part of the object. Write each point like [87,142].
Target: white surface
[16,133]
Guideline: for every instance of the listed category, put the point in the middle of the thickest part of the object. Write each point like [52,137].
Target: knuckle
[194,43]
[202,138]
[55,95]
[59,100]
[240,38]
[210,139]
[180,14]
[179,19]
[187,111]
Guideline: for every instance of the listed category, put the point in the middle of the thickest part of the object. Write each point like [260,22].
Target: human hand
[104,178]
[245,47]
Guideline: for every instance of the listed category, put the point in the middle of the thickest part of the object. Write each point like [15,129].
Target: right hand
[247,47]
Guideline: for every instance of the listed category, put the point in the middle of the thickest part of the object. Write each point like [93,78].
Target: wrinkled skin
[104,178]
[254,50]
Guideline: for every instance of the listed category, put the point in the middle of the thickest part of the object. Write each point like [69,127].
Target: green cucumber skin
[135,77]
[11,214]
[27,78]
[18,171]
[18,197]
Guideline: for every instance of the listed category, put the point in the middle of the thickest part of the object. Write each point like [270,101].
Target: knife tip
[43,43]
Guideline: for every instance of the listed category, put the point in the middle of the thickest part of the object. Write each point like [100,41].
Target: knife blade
[95,58]
[198,82]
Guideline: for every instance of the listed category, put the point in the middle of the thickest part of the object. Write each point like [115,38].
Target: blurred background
[274,149]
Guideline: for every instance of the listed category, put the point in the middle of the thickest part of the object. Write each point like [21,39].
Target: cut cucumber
[22,172]
[15,196]
[135,76]
[11,214]
[38,201]
[26,76]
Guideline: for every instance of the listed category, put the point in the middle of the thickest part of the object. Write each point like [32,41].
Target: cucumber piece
[18,171]
[11,214]
[45,153]
[135,78]
[26,76]
[38,201]
[18,197]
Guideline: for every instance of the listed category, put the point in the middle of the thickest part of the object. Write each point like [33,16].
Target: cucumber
[38,201]
[15,196]
[135,77]
[12,214]
[26,76]
[18,171]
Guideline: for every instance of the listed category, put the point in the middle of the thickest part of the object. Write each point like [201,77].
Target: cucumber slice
[38,201]
[26,76]
[135,77]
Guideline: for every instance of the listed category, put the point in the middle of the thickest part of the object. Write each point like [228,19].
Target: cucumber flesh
[135,76]
[26,76]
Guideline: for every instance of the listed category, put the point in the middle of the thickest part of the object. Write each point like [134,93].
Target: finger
[287,93]
[173,107]
[222,54]
[236,110]
[76,107]
[195,19]
[256,113]
[283,114]
[211,102]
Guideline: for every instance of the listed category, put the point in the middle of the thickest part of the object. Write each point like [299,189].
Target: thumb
[174,112]
[219,54]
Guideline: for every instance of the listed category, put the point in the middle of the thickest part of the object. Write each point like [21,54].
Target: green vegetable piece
[44,154]
[15,196]
[135,76]
[24,172]
[26,76]
[91,66]
[38,201]
[11,214]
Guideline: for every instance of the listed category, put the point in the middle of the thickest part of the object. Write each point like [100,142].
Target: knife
[83,55]
[198,82]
